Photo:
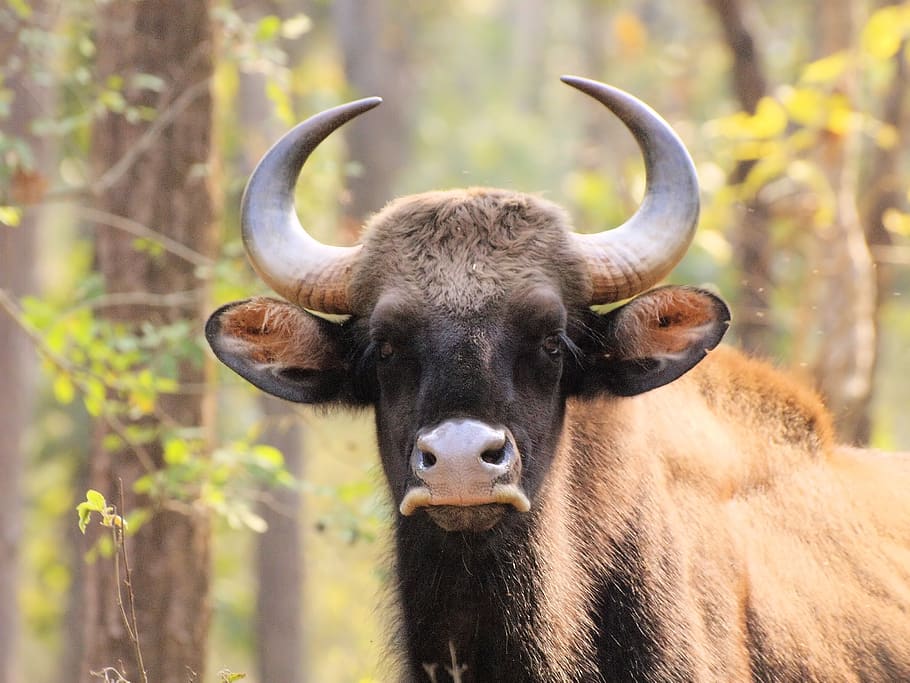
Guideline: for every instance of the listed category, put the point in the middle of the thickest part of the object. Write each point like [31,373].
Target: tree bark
[280,653]
[377,61]
[280,642]
[17,269]
[30,100]
[846,297]
[166,188]
[883,189]
[750,235]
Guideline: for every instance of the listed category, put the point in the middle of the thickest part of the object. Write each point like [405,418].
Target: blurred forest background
[255,541]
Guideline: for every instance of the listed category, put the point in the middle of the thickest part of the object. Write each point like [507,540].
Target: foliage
[95,502]
[468,130]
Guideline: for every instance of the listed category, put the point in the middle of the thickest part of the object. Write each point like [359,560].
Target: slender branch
[132,630]
[113,174]
[78,376]
[110,675]
[110,177]
[169,300]
[137,229]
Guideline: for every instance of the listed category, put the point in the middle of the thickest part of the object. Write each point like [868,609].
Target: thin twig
[169,300]
[132,623]
[113,174]
[110,177]
[78,376]
[138,229]
[110,675]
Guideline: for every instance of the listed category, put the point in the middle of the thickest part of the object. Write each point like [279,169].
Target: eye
[386,349]
[552,344]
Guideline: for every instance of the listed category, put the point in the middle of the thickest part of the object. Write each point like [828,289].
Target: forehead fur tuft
[460,250]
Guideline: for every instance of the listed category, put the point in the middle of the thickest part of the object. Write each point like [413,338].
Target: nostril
[427,459]
[494,456]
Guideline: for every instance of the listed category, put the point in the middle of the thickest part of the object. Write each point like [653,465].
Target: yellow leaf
[825,70]
[805,106]
[715,244]
[630,33]
[280,100]
[10,215]
[769,120]
[882,34]
[840,122]
[896,222]
[886,136]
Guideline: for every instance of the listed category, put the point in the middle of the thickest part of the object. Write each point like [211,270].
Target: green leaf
[268,27]
[96,499]
[94,400]
[176,452]
[21,8]
[64,391]
[268,455]
[85,514]
[94,502]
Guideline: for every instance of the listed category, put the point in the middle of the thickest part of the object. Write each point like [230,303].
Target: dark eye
[386,349]
[552,345]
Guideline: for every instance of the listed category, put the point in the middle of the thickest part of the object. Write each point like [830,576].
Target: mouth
[466,511]
[475,518]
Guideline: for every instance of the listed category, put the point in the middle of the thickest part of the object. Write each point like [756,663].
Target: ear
[281,348]
[654,339]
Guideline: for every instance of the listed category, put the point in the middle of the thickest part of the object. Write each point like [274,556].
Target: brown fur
[663,325]
[793,553]
[709,529]
[273,333]
[460,250]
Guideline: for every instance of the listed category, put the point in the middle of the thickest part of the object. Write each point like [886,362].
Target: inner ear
[280,348]
[656,338]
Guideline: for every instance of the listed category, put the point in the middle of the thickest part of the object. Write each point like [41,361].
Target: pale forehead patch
[463,250]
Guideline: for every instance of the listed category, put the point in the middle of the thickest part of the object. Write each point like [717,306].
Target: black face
[469,407]
[504,365]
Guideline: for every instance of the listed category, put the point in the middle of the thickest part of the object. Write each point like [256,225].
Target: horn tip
[367,103]
[588,85]
[574,81]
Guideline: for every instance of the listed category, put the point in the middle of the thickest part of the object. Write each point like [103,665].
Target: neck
[549,595]
[469,600]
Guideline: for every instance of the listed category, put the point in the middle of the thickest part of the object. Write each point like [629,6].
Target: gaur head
[470,321]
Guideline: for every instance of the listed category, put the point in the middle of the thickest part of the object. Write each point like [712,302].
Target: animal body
[581,496]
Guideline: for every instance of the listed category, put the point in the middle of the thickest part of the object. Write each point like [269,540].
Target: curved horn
[297,266]
[631,258]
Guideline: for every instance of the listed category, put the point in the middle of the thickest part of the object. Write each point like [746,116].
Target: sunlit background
[795,114]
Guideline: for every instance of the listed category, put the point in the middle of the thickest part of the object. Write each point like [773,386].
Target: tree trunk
[280,653]
[16,262]
[17,268]
[883,189]
[279,558]
[750,235]
[166,188]
[377,57]
[846,300]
